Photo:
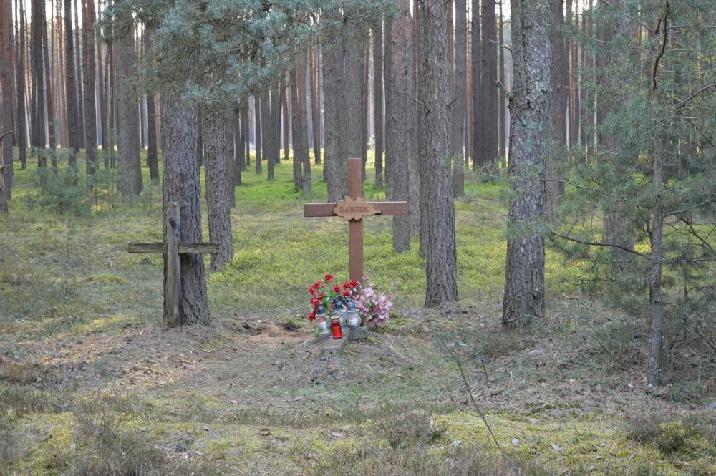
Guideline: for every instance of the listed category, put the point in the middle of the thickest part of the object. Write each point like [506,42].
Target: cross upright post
[353,208]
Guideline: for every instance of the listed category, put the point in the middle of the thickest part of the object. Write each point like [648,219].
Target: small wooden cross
[353,209]
[173,248]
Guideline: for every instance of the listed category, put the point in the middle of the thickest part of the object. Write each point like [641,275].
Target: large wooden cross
[353,209]
[173,248]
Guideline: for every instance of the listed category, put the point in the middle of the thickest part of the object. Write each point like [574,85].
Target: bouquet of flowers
[328,293]
[374,307]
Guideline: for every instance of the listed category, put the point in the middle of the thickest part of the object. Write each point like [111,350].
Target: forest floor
[91,382]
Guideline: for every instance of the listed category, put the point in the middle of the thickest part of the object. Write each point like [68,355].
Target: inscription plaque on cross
[173,248]
[353,208]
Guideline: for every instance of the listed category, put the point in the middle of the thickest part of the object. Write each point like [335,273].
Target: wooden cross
[353,209]
[173,248]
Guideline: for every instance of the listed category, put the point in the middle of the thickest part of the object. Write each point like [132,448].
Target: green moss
[575,443]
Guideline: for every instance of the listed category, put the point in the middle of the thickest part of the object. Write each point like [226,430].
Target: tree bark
[487,149]
[524,298]
[437,211]
[38,81]
[6,126]
[476,65]
[217,166]
[378,101]
[152,152]
[181,185]
[51,137]
[316,103]
[130,173]
[558,116]
[21,133]
[399,117]
[88,60]
[501,146]
[351,118]
[457,116]
[71,86]
[298,128]
[259,109]
[333,80]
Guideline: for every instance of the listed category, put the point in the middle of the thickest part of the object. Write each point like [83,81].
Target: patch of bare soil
[245,361]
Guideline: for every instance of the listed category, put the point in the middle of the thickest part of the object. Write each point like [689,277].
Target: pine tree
[524,296]
[437,210]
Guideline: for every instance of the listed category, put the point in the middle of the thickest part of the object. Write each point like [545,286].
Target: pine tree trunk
[271,138]
[437,211]
[558,117]
[259,109]
[286,118]
[21,133]
[399,86]
[6,99]
[353,85]
[245,133]
[88,34]
[71,86]
[524,298]
[457,116]
[217,165]
[302,144]
[316,104]
[501,146]
[181,186]
[130,173]
[152,152]
[488,85]
[51,138]
[298,127]
[38,81]
[476,65]
[335,106]
[378,102]
[78,79]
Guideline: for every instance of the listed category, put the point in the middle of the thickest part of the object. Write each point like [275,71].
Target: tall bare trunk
[524,298]
[378,101]
[333,75]
[6,126]
[399,82]
[476,65]
[21,133]
[71,86]
[217,156]
[487,97]
[315,89]
[130,180]
[181,186]
[88,63]
[457,117]
[437,211]
[152,152]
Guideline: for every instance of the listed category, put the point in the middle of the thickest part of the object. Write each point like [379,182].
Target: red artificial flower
[354,283]
[312,315]
[328,277]
[314,302]
[317,284]
[336,289]
[311,290]
[346,293]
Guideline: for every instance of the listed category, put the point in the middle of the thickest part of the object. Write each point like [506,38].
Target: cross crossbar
[354,208]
